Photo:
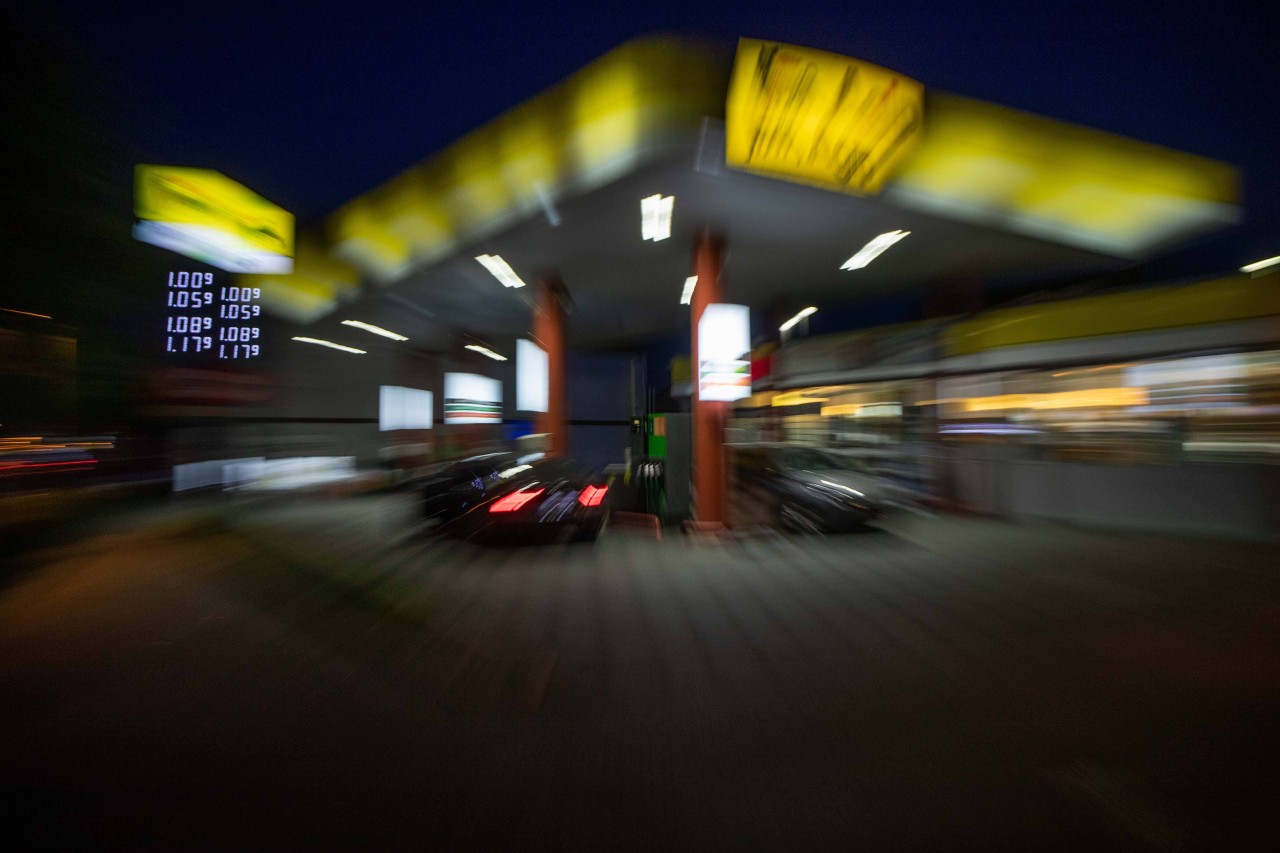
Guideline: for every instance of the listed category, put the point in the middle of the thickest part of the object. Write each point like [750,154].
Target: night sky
[313,108]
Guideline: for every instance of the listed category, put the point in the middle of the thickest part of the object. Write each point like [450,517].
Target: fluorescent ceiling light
[485,351]
[331,345]
[687,294]
[377,330]
[1261,265]
[501,270]
[796,319]
[655,217]
[872,250]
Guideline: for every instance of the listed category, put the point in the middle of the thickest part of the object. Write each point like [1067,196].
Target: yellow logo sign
[205,215]
[819,118]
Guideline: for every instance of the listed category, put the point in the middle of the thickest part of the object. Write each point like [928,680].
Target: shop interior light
[377,330]
[796,319]
[655,217]
[873,249]
[1261,265]
[485,351]
[686,295]
[330,344]
[501,270]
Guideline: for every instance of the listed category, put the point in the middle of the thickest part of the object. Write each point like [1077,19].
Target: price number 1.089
[239,333]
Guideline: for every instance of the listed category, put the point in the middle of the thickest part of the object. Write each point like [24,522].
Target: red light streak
[593,495]
[25,465]
[514,501]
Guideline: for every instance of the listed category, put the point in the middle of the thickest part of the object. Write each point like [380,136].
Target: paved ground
[311,675]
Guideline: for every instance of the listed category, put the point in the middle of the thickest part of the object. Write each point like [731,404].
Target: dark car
[548,500]
[808,489]
[463,484]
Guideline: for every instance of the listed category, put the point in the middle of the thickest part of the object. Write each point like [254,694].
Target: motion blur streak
[593,495]
[513,501]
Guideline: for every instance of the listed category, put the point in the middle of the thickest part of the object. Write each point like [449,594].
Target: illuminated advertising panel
[533,377]
[724,352]
[207,216]
[472,399]
[404,408]
[819,118]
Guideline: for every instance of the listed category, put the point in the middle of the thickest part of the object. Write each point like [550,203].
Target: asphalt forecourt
[321,673]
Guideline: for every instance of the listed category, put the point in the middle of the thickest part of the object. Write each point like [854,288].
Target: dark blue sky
[312,108]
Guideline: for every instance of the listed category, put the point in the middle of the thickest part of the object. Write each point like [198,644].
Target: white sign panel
[404,408]
[472,399]
[724,352]
[533,377]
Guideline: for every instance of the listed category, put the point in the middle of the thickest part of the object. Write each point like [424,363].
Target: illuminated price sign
[202,318]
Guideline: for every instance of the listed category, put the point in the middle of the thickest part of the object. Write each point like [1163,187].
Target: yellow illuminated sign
[207,216]
[1060,182]
[599,124]
[796,398]
[1094,398]
[819,118]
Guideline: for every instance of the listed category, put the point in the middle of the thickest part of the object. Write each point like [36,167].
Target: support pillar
[549,333]
[709,416]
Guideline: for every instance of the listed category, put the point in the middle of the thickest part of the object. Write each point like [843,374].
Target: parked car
[463,484]
[807,489]
[547,500]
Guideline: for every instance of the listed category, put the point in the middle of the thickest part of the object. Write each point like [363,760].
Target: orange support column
[709,416]
[549,333]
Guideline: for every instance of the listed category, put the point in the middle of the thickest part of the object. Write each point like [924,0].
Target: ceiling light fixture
[1260,265]
[377,330]
[796,319]
[655,217]
[485,351]
[873,249]
[501,270]
[330,344]
[686,295]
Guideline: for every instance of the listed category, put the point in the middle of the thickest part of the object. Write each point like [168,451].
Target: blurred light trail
[873,250]
[514,501]
[501,270]
[486,351]
[796,319]
[593,495]
[1261,265]
[686,295]
[330,344]
[377,330]
[655,217]
[27,313]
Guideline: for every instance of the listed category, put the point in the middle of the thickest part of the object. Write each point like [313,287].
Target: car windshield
[808,460]
[816,460]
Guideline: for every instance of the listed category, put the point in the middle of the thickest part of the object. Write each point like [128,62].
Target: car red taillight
[593,495]
[513,501]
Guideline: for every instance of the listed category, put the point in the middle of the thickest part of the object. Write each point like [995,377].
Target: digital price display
[213,320]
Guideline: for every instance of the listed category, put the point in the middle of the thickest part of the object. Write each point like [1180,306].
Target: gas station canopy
[800,157]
